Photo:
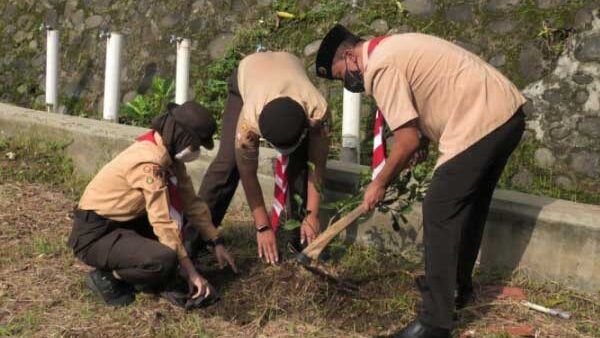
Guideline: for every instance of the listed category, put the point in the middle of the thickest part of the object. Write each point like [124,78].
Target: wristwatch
[263,228]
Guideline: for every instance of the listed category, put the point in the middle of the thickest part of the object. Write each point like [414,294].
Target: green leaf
[298,199]
[291,224]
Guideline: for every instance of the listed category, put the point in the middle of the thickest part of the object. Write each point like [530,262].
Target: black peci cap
[196,120]
[336,36]
[282,122]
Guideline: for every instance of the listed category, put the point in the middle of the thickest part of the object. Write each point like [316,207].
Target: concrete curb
[549,238]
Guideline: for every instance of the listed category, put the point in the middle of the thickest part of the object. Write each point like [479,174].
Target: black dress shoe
[416,329]
[111,290]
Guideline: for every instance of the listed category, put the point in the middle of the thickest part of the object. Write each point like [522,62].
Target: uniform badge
[149,180]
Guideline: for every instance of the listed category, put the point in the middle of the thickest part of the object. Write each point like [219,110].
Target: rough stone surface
[499,5]
[581,96]
[420,7]
[585,163]
[523,178]
[590,126]
[546,4]
[502,26]
[498,60]
[379,26]
[93,21]
[471,47]
[544,158]
[588,49]
[582,78]
[129,96]
[460,13]
[312,48]
[218,46]
[583,18]
[531,63]
[564,182]
[170,20]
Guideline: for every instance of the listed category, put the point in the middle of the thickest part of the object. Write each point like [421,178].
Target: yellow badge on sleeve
[149,180]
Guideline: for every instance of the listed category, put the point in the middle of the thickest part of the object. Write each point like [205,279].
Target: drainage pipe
[351,128]
[52,67]
[112,85]
[183,70]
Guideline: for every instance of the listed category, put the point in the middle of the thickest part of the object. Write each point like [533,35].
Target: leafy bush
[143,108]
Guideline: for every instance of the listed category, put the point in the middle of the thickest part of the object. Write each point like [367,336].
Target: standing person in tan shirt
[270,96]
[138,219]
[427,86]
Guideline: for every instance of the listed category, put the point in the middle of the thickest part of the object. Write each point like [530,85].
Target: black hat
[196,120]
[282,122]
[336,36]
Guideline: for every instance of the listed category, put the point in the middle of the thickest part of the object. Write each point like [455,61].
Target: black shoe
[416,329]
[109,289]
[463,297]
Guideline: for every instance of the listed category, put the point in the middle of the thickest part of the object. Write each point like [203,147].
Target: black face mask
[353,80]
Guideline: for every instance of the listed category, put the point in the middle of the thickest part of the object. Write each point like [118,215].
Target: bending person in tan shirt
[139,218]
[427,86]
[271,96]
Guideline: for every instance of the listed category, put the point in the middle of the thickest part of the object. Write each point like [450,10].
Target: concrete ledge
[551,239]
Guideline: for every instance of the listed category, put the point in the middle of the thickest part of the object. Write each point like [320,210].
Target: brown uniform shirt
[457,98]
[263,77]
[134,184]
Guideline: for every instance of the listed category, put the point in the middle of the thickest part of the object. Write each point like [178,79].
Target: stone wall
[549,48]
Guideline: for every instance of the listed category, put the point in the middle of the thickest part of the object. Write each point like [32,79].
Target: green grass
[37,160]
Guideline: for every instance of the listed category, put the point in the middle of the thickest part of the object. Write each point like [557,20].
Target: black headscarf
[175,137]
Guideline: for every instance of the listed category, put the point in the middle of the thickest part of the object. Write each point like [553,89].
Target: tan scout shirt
[457,97]
[263,77]
[134,184]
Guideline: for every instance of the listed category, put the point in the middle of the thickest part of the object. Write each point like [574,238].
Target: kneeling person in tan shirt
[139,218]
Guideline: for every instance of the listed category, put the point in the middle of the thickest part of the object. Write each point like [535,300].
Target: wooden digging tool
[314,249]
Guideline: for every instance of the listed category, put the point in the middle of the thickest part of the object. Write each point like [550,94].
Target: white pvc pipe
[112,83]
[351,126]
[52,67]
[183,71]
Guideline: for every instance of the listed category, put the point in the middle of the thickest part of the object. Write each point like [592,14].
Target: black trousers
[222,177]
[129,248]
[454,215]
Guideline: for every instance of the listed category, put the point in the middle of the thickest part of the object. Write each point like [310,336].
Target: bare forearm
[317,155]
[255,198]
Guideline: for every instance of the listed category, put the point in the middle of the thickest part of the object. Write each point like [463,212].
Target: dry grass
[42,292]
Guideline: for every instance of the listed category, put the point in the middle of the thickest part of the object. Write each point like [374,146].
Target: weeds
[143,108]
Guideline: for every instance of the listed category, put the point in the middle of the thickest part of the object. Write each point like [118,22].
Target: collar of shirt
[164,157]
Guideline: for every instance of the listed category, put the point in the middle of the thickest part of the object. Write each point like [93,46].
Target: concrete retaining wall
[549,238]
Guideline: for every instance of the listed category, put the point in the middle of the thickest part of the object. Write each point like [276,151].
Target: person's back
[458,97]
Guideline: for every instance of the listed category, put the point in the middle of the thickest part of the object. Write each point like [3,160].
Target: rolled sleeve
[394,97]
[149,178]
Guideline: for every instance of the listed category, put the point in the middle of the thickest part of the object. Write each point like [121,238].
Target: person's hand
[267,246]
[224,258]
[373,195]
[198,286]
[310,229]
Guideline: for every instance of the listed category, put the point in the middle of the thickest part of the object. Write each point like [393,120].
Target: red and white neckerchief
[378,142]
[281,185]
[175,202]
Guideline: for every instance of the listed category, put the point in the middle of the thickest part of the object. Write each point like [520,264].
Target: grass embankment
[42,292]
